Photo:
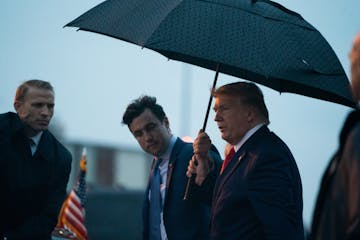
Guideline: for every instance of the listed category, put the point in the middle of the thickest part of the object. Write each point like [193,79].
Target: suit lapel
[45,148]
[169,176]
[244,156]
[172,161]
[229,170]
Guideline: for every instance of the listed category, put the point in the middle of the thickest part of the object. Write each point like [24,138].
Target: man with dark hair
[337,210]
[34,166]
[258,194]
[165,214]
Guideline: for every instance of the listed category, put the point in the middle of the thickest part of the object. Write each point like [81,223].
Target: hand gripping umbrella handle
[191,180]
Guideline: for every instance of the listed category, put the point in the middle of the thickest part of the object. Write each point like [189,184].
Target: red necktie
[228,157]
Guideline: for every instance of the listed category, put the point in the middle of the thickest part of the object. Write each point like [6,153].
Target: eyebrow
[145,128]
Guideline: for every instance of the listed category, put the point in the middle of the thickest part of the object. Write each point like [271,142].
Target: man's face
[232,118]
[152,135]
[355,67]
[35,110]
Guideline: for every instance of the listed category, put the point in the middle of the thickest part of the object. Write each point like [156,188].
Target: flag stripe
[72,215]
[74,204]
[75,213]
[74,229]
[75,222]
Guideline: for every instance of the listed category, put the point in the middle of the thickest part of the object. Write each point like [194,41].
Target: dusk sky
[95,77]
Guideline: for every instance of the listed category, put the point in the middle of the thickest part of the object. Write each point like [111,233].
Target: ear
[17,105]
[250,114]
[166,122]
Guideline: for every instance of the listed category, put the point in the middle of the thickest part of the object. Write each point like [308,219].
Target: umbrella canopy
[257,40]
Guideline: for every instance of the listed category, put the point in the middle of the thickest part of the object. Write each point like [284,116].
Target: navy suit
[259,194]
[184,219]
[32,188]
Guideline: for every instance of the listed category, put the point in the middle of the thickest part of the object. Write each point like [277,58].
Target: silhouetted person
[337,210]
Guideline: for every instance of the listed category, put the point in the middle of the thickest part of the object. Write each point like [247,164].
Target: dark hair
[24,87]
[352,119]
[139,105]
[249,93]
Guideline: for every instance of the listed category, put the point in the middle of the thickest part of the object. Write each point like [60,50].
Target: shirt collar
[166,155]
[37,138]
[247,136]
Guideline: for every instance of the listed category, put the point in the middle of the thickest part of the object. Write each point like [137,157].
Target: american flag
[72,215]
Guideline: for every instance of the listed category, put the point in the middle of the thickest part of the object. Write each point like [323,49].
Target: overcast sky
[95,77]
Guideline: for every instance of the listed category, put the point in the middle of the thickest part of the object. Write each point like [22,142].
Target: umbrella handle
[191,180]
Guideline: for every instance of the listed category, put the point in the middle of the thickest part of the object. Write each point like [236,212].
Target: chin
[151,152]
[223,136]
[227,139]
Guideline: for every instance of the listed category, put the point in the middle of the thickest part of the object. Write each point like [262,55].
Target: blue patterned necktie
[155,203]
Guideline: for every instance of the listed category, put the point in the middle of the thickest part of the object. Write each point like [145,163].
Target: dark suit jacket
[259,194]
[32,188]
[184,219]
[337,210]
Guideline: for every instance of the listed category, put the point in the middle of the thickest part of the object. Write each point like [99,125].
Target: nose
[217,117]
[147,136]
[46,111]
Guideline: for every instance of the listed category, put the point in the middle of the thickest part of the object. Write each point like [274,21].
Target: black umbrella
[257,40]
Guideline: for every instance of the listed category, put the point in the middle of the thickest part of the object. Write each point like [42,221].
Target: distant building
[111,167]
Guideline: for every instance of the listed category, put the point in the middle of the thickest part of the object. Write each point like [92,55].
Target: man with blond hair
[34,165]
